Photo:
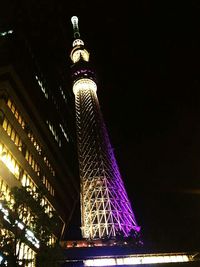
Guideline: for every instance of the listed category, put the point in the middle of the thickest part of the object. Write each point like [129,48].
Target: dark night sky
[147,58]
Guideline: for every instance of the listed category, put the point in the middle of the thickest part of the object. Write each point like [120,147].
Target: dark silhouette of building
[36,134]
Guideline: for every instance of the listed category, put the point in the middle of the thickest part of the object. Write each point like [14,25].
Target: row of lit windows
[18,142]
[138,260]
[12,133]
[54,133]
[28,156]
[63,95]
[32,162]
[27,181]
[30,134]
[42,87]
[45,92]
[49,165]
[27,253]
[16,113]
[4,191]
[18,116]
[9,161]
[24,251]
[48,206]
[38,148]
[15,168]
[35,143]
[64,132]
[5,195]
[48,185]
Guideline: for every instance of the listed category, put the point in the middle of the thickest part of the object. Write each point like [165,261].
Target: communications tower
[105,208]
[109,228]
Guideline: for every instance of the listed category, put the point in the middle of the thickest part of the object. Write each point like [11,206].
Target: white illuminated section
[77,54]
[54,133]
[77,42]
[1,258]
[74,21]
[64,132]
[10,163]
[31,237]
[84,84]
[42,87]
[139,259]
[6,33]
[19,224]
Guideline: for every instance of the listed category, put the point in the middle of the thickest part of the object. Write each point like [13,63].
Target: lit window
[63,95]
[42,87]
[6,33]
[54,133]
[64,133]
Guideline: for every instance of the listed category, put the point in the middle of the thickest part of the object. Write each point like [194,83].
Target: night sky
[147,60]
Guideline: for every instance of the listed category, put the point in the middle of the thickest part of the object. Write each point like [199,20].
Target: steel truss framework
[105,208]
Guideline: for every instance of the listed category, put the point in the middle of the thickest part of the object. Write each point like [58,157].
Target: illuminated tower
[105,209]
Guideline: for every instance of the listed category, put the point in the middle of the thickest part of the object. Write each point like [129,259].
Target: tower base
[110,253]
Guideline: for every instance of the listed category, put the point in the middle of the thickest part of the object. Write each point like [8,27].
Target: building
[36,139]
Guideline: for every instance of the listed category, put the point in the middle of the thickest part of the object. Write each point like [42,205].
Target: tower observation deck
[105,208]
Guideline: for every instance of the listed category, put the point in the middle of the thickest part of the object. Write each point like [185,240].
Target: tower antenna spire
[74,21]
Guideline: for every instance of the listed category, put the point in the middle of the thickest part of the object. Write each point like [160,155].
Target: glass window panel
[13,135]
[9,129]
[5,124]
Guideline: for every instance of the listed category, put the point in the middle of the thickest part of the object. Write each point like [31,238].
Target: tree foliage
[27,208]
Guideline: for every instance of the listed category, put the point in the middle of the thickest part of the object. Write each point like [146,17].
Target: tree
[27,209]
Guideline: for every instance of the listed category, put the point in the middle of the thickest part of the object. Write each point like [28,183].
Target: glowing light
[77,54]
[54,133]
[77,42]
[63,95]
[139,259]
[6,33]
[84,84]
[10,163]
[31,237]
[1,258]
[74,21]
[20,225]
[64,132]
[42,87]
[105,208]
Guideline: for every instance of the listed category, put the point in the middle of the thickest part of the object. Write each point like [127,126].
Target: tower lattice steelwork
[105,208]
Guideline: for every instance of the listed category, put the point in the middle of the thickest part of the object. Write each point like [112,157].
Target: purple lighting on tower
[105,208]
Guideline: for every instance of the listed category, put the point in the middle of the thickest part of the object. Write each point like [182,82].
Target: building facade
[36,142]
